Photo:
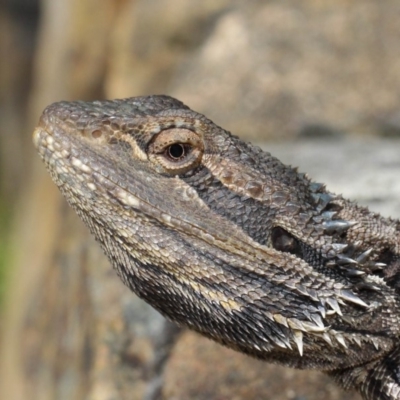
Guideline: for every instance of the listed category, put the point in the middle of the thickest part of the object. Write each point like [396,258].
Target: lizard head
[221,236]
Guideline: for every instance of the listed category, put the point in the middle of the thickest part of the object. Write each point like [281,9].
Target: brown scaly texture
[223,238]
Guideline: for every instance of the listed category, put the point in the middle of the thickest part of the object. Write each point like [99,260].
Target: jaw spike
[309,327]
[363,257]
[351,297]
[375,343]
[281,320]
[318,320]
[327,338]
[295,324]
[334,305]
[337,226]
[298,339]
[339,247]
[341,340]
[322,311]
[375,266]
[352,272]
[306,326]
[284,344]
[328,215]
[345,260]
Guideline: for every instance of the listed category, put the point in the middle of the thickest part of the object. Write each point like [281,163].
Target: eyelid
[192,143]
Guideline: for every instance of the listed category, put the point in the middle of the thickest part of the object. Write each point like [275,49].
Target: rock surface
[202,370]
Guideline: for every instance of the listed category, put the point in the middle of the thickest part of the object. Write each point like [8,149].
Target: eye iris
[176,151]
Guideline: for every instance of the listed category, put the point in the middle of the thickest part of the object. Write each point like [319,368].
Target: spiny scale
[337,226]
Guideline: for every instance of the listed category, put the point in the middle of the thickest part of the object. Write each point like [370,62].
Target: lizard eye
[176,151]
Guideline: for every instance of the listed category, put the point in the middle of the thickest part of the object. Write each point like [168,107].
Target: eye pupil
[176,151]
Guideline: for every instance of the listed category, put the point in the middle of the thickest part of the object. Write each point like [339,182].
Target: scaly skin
[223,238]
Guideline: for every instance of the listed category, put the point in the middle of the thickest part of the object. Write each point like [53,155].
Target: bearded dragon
[223,238]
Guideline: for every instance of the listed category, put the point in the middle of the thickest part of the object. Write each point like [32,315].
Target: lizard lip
[42,133]
[36,136]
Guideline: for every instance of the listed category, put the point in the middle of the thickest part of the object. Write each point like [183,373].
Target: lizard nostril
[96,133]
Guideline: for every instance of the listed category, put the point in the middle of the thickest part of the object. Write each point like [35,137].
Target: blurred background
[315,82]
